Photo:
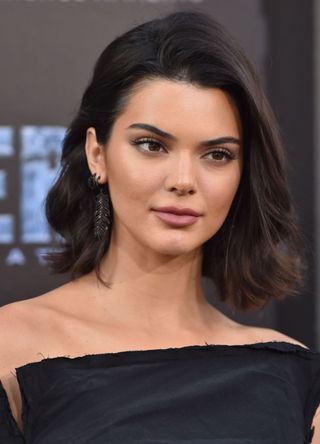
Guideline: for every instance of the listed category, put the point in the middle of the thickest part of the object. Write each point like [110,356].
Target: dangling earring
[102,214]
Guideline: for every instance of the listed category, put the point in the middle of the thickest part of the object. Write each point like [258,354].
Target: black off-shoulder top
[261,393]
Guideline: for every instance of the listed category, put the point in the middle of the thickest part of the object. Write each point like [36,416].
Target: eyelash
[227,153]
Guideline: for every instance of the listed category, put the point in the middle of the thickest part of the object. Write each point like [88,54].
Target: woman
[171,170]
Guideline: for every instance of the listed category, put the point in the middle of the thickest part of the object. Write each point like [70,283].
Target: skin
[155,267]
[156,300]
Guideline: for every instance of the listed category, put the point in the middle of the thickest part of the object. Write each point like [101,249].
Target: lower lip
[175,219]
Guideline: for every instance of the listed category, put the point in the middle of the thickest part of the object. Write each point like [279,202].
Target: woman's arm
[316,425]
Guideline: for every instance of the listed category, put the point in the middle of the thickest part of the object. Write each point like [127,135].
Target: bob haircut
[256,253]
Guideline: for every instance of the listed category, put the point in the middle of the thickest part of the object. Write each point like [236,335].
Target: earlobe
[95,155]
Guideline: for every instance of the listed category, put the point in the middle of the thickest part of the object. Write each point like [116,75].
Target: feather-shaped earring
[102,214]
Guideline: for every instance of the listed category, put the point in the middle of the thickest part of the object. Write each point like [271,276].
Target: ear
[95,155]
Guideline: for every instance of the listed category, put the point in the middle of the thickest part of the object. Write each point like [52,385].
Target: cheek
[221,192]
[130,180]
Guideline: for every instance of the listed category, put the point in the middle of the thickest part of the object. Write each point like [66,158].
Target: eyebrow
[169,136]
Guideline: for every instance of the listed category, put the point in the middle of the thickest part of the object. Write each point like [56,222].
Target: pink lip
[175,219]
[178,211]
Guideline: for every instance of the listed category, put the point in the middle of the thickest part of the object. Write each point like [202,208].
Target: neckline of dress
[119,356]
[277,346]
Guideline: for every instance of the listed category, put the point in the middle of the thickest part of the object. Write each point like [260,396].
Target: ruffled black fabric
[262,393]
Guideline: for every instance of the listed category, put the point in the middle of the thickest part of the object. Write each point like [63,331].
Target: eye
[152,143]
[221,155]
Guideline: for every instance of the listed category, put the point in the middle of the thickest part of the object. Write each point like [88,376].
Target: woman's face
[189,156]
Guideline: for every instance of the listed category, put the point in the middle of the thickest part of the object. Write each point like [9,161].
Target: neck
[154,292]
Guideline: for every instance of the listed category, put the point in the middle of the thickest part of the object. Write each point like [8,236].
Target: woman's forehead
[181,106]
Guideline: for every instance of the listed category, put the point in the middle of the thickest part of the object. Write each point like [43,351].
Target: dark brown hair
[256,254]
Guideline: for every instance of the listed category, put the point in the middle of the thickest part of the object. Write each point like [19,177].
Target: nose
[181,178]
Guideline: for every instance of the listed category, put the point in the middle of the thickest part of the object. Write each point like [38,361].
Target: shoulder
[264,334]
[25,314]
[27,328]
[17,330]
[14,317]
[32,312]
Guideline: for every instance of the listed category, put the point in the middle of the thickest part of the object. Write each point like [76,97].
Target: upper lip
[176,210]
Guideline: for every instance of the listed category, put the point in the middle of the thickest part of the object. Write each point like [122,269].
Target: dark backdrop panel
[290,84]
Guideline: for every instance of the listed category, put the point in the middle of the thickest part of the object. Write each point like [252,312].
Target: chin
[172,248]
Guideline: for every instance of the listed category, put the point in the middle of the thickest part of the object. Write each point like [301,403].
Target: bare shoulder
[26,326]
[264,334]
[31,330]
[18,329]
[25,313]
[14,322]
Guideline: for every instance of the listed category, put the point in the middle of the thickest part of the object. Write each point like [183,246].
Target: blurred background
[47,52]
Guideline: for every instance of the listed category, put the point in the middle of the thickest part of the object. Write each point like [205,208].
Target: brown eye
[221,155]
[153,145]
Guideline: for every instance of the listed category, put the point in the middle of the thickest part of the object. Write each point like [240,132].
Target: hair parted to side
[256,254]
